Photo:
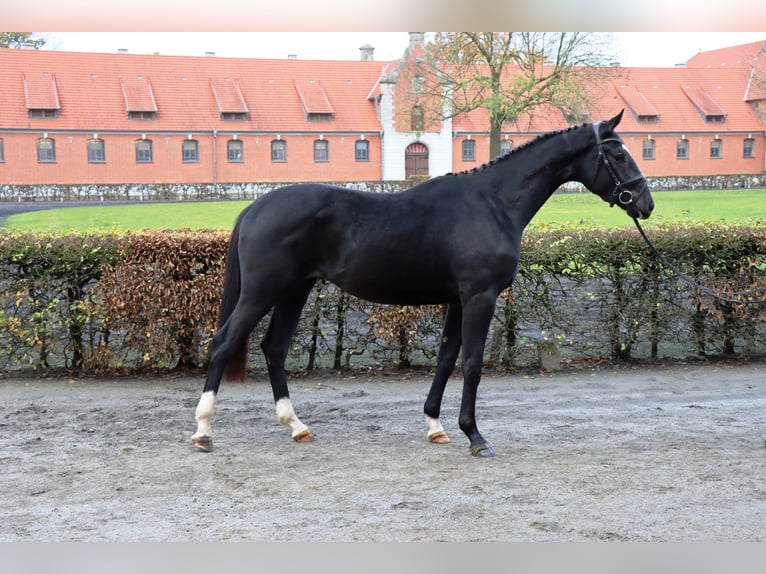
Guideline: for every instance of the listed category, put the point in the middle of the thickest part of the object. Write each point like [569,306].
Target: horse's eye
[619,156]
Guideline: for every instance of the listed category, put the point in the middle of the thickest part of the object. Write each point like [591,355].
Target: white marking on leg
[203,414]
[436,431]
[286,416]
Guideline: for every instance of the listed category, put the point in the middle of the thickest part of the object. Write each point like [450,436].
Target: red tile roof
[190,93]
[669,93]
[742,56]
[91,91]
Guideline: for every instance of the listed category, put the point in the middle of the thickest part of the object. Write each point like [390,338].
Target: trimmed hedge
[149,300]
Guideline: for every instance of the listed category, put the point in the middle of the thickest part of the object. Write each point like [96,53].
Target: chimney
[417,39]
[292,56]
[122,50]
[210,54]
[367,53]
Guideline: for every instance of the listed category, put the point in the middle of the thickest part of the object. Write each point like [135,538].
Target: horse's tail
[236,367]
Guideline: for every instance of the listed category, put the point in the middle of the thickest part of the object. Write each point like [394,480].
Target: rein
[729,296]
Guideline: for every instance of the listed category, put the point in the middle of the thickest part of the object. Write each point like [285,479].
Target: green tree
[509,74]
[20,39]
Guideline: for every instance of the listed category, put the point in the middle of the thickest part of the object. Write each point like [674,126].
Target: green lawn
[669,206]
[733,206]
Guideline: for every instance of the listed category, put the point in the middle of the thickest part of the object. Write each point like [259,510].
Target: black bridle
[620,194]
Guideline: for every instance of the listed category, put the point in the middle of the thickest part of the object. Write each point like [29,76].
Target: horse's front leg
[445,365]
[477,315]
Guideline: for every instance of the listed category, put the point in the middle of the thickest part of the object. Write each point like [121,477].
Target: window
[715,149]
[42,114]
[505,146]
[234,151]
[417,121]
[142,116]
[2,151]
[190,151]
[321,150]
[233,116]
[362,150]
[144,151]
[648,149]
[748,148]
[318,117]
[417,84]
[278,150]
[682,149]
[96,151]
[469,150]
[46,150]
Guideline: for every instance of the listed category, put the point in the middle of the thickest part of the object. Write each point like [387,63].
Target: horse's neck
[531,178]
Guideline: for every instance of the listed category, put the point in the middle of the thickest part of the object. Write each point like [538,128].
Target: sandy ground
[670,453]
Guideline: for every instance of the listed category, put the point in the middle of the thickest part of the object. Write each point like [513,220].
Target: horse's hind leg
[445,365]
[275,346]
[228,342]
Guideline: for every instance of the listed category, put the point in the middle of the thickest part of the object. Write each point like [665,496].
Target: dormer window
[140,104]
[142,115]
[229,100]
[42,114]
[318,117]
[316,105]
[233,116]
[705,104]
[715,118]
[42,96]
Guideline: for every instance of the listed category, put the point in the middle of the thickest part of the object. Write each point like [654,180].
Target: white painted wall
[394,143]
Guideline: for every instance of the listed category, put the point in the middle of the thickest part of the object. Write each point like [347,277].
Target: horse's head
[616,177]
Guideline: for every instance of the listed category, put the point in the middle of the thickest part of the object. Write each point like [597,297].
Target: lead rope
[729,296]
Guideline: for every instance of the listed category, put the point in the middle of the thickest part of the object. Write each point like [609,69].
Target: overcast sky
[661,49]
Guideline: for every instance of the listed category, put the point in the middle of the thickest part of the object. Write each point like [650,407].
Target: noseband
[620,194]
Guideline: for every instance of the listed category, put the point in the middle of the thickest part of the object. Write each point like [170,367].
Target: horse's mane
[516,150]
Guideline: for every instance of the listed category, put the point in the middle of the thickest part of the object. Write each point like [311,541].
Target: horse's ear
[616,119]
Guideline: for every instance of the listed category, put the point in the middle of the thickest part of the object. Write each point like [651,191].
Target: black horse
[451,240]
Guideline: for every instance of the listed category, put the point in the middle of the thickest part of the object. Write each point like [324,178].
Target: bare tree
[510,74]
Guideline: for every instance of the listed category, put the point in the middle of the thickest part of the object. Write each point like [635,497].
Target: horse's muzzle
[642,204]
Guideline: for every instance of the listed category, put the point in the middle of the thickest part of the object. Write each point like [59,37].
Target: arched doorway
[415,160]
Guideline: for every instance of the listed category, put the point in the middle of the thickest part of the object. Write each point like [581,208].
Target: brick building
[105,119]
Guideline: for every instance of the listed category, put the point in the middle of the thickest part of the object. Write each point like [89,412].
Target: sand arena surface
[671,453]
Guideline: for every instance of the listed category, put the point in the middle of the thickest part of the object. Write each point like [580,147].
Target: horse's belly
[397,286]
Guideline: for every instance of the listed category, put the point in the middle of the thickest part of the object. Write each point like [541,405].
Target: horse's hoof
[439,438]
[483,450]
[303,436]
[203,443]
